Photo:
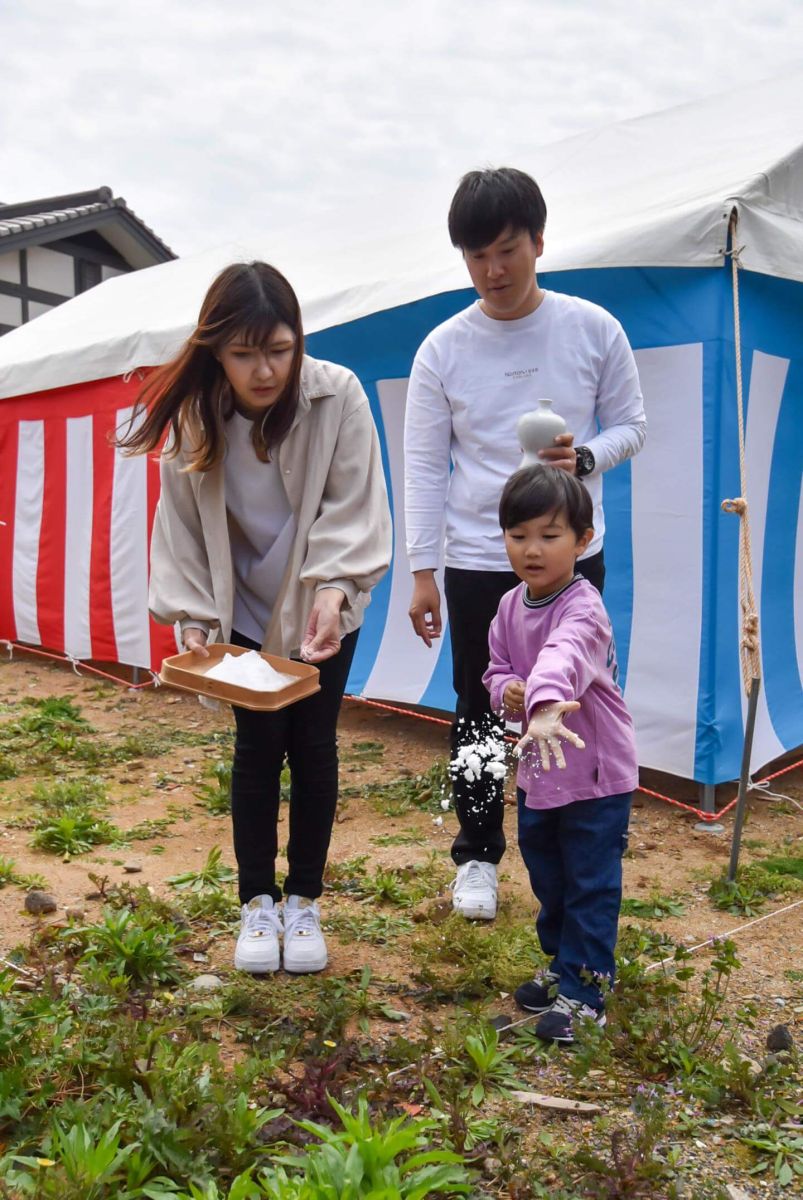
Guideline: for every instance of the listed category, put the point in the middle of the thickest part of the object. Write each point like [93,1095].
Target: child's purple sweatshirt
[563,648]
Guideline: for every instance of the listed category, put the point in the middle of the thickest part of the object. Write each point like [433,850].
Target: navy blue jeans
[574,857]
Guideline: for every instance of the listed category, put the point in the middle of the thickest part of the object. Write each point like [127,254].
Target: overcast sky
[218,121]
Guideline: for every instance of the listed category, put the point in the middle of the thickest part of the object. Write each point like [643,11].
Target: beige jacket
[331,467]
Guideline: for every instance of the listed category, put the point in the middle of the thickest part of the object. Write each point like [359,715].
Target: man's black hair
[488,202]
[534,491]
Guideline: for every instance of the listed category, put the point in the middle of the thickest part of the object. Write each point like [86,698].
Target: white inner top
[261,529]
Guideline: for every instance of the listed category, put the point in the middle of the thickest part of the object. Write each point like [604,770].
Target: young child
[552,657]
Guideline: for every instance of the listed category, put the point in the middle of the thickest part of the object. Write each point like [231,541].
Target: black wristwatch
[585,461]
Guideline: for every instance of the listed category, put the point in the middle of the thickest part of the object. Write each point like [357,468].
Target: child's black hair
[487,203]
[534,491]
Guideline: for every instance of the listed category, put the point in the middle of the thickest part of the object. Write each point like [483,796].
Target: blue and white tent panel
[672,586]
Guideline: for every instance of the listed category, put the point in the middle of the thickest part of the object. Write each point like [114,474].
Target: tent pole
[744,778]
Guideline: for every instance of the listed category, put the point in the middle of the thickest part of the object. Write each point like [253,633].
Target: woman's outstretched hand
[195,640]
[322,636]
[547,729]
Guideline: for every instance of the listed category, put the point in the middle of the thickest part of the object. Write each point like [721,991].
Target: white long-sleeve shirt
[472,379]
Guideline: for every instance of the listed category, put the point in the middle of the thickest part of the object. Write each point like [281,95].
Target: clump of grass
[458,959]
[152,827]
[213,874]
[655,908]
[74,832]
[8,871]
[390,1158]
[424,791]
[51,713]
[215,795]
[365,751]
[755,884]
[61,795]
[788,866]
[406,838]
[135,944]
[207,893]
[378,929]
[402,886]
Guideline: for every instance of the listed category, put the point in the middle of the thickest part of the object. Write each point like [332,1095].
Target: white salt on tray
[249,670]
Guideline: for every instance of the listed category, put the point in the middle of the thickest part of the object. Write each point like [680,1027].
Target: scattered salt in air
[249,670]
[486,756]
[445,803]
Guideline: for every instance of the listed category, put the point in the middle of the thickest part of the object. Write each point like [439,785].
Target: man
[472,379]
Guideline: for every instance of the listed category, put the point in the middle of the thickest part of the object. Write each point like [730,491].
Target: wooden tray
[187,672]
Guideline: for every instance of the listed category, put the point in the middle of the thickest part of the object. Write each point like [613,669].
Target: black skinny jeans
[472,598]
[306,734]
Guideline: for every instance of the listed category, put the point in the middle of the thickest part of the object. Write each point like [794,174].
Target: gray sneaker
[558,1022]
[304,945]
[257,948]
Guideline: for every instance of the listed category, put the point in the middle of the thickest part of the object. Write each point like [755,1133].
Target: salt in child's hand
[547,729]
[513,698]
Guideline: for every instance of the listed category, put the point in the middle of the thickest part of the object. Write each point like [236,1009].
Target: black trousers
[472,598]
[305,734]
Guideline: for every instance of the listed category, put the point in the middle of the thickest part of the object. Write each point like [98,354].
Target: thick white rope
[721,937]
[749,643]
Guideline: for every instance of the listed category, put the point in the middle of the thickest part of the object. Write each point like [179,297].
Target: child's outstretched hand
[547,729]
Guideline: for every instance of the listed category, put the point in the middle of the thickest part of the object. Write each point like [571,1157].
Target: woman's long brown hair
[192,396]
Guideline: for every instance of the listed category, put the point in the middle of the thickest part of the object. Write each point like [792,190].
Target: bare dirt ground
[667,855]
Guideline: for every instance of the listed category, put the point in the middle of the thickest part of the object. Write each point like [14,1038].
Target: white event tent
[638,221]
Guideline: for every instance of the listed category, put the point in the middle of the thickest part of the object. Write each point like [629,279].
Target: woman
[272,528]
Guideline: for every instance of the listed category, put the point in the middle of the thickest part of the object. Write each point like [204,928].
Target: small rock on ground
[206,983]
[40,902]
[779,1038]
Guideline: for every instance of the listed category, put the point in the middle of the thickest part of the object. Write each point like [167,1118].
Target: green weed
[59,795]
[216,795]
[365,751]
[75,832]
[384,1158]
[379,929]
[8,871]
[755,884]
[655,908]
[137,946]
[458,959]
[405,838]
[402,886]
[424,791]
[474,1053]
[778,1150]
[214,874]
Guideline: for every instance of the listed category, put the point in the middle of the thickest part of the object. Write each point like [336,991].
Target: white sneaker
[304,945]
[474,890]
[257,948]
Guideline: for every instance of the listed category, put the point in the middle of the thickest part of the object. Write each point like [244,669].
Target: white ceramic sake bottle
[537,430]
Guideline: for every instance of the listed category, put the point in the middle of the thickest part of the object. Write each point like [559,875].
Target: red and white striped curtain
[75,524]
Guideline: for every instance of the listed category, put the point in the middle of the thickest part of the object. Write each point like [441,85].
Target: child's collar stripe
[545,600]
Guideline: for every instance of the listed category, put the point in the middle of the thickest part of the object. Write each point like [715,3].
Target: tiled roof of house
[20,220]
